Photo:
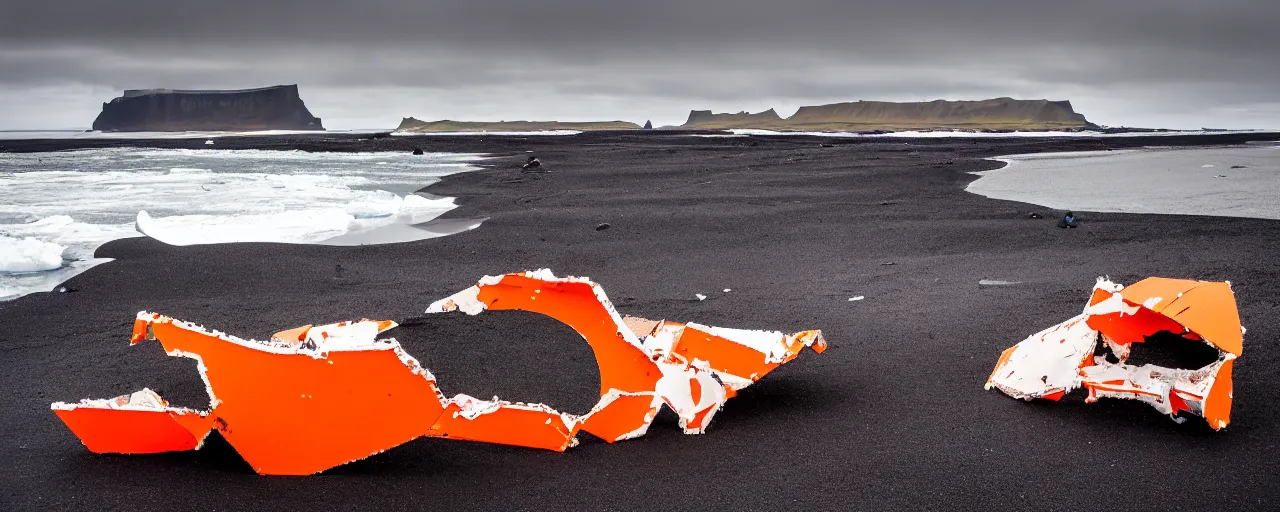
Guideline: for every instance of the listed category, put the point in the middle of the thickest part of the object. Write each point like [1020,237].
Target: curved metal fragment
[1062,358]
[644,364]
[315,397]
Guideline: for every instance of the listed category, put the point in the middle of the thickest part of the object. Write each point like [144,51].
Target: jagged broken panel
[314,397]
[1091,350]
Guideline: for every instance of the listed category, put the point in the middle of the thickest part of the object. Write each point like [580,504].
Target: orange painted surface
[1217,406]
[292,408]
[701,418]
[625,366]
[1177,404]
[724,355]
[285,413]
[1196,310]
[294,334]
[622,366]
[130,431]
[1054,396]
[1206,308]
[1004,358]
[1126,329]
[620,417]
[293,414]
[509,424]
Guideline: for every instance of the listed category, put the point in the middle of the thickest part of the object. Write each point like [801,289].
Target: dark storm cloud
[1223,25]
[1155,62]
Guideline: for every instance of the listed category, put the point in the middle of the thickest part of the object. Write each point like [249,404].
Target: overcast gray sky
[367,63]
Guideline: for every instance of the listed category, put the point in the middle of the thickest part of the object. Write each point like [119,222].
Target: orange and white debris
[315,397]
[1060,359]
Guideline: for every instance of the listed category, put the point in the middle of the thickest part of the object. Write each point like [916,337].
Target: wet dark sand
[893,416]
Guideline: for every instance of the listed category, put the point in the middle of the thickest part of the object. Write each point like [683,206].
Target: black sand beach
[892,416]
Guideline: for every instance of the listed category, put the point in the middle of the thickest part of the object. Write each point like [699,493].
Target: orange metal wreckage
[1059,359]
[316,397]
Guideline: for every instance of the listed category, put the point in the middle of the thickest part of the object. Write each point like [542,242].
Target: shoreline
[893,415]
[1238,181]
[472,143]
[63,205]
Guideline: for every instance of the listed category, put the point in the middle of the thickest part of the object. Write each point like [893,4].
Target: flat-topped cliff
[411,125]
[167,110]
[706,119]
[993,114]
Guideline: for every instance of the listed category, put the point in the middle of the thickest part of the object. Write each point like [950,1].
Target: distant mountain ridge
[411,125]
[998,114]
[992,114]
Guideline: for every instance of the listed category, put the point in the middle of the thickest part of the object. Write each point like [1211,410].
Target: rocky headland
[411,125]
[999,114]
[167,110]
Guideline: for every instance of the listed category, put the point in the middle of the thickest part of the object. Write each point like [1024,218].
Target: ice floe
[29,254]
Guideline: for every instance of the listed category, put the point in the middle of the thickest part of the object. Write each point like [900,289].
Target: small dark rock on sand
[603,226]
[1068,221]
[1035,215]
[417,151]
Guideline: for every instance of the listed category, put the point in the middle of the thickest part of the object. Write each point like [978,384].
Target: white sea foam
[75,201]
[1223,181]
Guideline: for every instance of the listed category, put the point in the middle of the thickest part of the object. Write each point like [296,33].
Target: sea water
[92,134]
[936,134]
[56,208]
[1239,181]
